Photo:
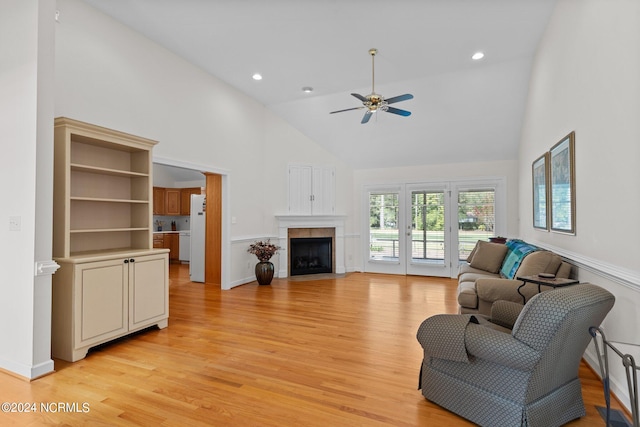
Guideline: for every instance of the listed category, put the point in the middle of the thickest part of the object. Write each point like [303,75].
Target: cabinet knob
[132,260]
[126,261]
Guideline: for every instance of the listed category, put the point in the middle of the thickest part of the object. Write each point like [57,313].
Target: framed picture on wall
[562,192]
[540,169]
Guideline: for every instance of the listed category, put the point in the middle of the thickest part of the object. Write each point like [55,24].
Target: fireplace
[311,226]
[310,255]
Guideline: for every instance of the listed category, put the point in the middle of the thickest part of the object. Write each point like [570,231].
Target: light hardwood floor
[332,352]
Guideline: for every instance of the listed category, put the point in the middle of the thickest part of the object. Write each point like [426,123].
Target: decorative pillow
[488,256]
[473,251]
[517,250]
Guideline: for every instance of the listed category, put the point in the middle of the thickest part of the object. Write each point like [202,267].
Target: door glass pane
[427,226]
[476,219]
[383,227]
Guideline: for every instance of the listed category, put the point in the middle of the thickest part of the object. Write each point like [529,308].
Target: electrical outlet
[15,223]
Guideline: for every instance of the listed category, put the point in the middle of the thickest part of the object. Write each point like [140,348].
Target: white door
[428,230]
[385,245]
[408,230]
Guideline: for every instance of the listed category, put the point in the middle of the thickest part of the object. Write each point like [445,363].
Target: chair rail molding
[623,276]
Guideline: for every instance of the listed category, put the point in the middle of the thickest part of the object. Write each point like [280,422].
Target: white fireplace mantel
[285,222]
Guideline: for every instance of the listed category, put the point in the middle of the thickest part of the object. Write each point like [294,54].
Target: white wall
[586,78]
[111,76]
[26,119]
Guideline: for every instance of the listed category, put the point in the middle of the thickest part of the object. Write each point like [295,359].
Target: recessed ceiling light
[257,76]
[477,55]
[307,89]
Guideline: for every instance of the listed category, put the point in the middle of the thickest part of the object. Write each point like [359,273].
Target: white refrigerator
[196,265]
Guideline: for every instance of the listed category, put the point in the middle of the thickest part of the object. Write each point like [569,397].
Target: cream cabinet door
[100,301]
[323,191]
[148,290]
[311,190]
[300,196]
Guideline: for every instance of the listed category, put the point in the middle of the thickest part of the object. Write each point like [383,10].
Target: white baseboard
[25,371]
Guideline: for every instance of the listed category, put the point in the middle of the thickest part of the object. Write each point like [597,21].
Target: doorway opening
[218,261]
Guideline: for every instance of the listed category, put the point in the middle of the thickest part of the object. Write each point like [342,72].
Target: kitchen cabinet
[158,240]
[185,199]
[101,298]
[111,280]
[311,190]
[158,201]
[172,201]
[169,241]
[172,242]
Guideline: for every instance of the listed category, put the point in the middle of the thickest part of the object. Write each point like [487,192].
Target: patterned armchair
[524,377]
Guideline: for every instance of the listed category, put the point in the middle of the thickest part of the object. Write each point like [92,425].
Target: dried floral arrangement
[263,250]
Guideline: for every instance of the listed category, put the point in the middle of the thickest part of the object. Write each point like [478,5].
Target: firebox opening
[310,255]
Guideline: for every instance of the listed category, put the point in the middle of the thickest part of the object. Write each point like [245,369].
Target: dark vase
[264,272]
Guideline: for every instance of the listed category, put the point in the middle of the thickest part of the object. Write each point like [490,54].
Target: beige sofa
[480,282]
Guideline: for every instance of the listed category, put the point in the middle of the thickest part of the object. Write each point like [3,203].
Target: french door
[426,229]
[385,230]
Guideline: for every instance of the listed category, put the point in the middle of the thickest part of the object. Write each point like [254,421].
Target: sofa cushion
[539,262]
[465,267]
[473,252]
[488,256]
[564,271]
[472,276]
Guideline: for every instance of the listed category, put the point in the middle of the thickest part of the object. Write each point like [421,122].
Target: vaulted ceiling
[463,110]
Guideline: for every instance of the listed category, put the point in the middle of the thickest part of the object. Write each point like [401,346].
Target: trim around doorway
[225,255]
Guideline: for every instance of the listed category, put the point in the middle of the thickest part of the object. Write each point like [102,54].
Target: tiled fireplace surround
[311,226]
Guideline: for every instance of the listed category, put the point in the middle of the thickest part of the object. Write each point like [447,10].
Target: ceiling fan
[375,102]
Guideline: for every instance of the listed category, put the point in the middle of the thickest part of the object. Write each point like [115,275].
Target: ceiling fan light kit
[375,102]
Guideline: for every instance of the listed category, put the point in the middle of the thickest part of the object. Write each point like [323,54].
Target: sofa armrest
[502,289]
[500,348]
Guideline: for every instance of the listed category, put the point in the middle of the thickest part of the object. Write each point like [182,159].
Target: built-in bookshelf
[103,190]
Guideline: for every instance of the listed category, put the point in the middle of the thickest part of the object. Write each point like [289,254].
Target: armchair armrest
[505,313]
[499,347]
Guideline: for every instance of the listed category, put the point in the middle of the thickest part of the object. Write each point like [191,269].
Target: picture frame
[562,183]
[540,180]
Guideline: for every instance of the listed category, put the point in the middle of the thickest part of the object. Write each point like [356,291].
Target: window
[383,226]
[476,218]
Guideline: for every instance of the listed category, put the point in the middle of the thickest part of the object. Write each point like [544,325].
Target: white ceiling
[463,110]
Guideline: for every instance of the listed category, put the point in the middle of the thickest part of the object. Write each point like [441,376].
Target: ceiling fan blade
[360,97]
[366,117]
[398,111]
[347,109]
[399,98]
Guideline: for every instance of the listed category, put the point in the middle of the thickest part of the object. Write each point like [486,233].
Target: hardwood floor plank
[337,351]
